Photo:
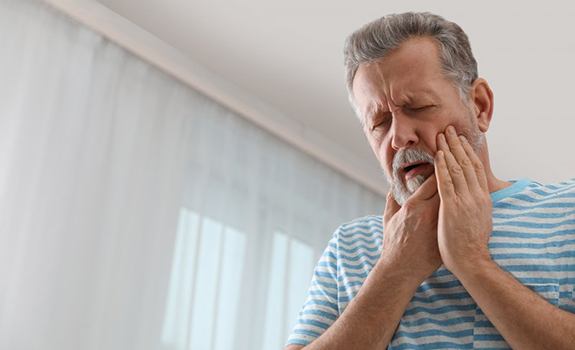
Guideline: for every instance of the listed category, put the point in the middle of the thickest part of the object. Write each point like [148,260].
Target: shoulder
[567,186]
[554,190]
[540,201]
[366,224]
[533,191]
[365,231]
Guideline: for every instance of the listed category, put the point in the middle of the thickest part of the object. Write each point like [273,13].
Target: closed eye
[418,109]
[380,124]
[381,120]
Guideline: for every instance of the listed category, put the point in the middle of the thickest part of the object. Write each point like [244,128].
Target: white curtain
[136,213]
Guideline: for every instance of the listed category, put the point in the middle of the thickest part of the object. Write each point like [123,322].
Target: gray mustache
[409,156]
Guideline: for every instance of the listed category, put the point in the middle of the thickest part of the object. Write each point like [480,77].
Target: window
[290,274]
[207,272]
[203,297]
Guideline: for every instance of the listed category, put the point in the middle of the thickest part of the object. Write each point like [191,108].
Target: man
[460,258]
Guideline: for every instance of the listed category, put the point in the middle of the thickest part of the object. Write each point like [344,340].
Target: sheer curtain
[136,213]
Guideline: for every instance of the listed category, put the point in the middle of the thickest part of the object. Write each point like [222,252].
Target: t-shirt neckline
[516,186]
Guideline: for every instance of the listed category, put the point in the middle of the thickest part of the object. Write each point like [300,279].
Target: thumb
[427,190]
[391,207]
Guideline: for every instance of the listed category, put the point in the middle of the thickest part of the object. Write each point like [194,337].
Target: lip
[405,165]
[422,168]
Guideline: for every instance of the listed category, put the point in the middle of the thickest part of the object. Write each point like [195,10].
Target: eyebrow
[373,111]
[424,93]
[379,108]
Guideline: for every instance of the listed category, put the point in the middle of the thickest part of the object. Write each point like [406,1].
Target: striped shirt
[533,238]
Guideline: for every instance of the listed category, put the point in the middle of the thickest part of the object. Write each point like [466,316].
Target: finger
[477,164]
[427,189]
[435,200]
[444,183]
[455,171]
[391,207]
[461,157]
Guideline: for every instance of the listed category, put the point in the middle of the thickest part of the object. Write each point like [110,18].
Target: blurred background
[170,171]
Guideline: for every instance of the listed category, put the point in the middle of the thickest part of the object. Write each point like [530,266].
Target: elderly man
[460,258]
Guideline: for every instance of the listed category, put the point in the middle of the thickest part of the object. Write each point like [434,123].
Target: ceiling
[289,55]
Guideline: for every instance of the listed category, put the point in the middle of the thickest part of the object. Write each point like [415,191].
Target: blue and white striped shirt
[533,238]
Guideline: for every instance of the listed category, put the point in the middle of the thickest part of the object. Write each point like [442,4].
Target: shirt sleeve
[321,307]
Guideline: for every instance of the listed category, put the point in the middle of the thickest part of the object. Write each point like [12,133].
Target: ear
[482,98]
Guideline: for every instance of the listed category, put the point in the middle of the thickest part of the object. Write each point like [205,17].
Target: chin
[415,182]
[401,192]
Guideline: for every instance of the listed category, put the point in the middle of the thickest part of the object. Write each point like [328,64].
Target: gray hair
[375,39]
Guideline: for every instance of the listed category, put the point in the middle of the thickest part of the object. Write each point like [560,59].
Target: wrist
[474,269]
[404,271]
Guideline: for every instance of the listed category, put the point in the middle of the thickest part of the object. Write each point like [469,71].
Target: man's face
[406,100]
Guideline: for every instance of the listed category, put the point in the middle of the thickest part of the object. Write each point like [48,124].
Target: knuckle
[409,205]
[466,162]
[454,169]
[386,218]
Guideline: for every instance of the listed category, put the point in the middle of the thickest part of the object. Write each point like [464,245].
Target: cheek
[372,143]
[429,141]
[462,127]
[377,137]
[375,142]
[441,121]
[378,150]
[388,154]
[382,150]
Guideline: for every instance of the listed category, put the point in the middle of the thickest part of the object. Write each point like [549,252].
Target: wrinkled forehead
[414,66]
[375,86]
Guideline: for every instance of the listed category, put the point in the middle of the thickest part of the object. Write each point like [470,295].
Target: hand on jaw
[464,219]
[410,237]
[448,219]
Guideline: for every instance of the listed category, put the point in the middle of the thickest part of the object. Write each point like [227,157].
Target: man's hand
[410,232]
[464,222]
[410,254]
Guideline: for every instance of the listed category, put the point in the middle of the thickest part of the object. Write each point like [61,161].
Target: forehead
[410,71]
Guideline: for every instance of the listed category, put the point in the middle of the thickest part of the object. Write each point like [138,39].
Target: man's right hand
[410,232]
[410,254]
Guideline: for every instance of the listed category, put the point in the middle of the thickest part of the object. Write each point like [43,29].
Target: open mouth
[412,166]
[415,168]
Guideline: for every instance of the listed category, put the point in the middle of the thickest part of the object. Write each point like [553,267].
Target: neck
[493,183]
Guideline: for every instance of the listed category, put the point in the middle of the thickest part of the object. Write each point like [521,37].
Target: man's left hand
[464,221]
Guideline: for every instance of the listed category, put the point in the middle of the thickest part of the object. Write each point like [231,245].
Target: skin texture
[408,103]
[370,319]
[522,317]
[465,209]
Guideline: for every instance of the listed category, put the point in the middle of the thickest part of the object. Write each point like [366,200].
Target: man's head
[409,76]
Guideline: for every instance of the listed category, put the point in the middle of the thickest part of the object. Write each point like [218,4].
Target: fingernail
[451,129]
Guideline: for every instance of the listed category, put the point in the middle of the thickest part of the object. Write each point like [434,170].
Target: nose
[403,133]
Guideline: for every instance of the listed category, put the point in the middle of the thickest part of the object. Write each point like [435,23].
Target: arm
[409,255]
[370,319]
[523,318]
